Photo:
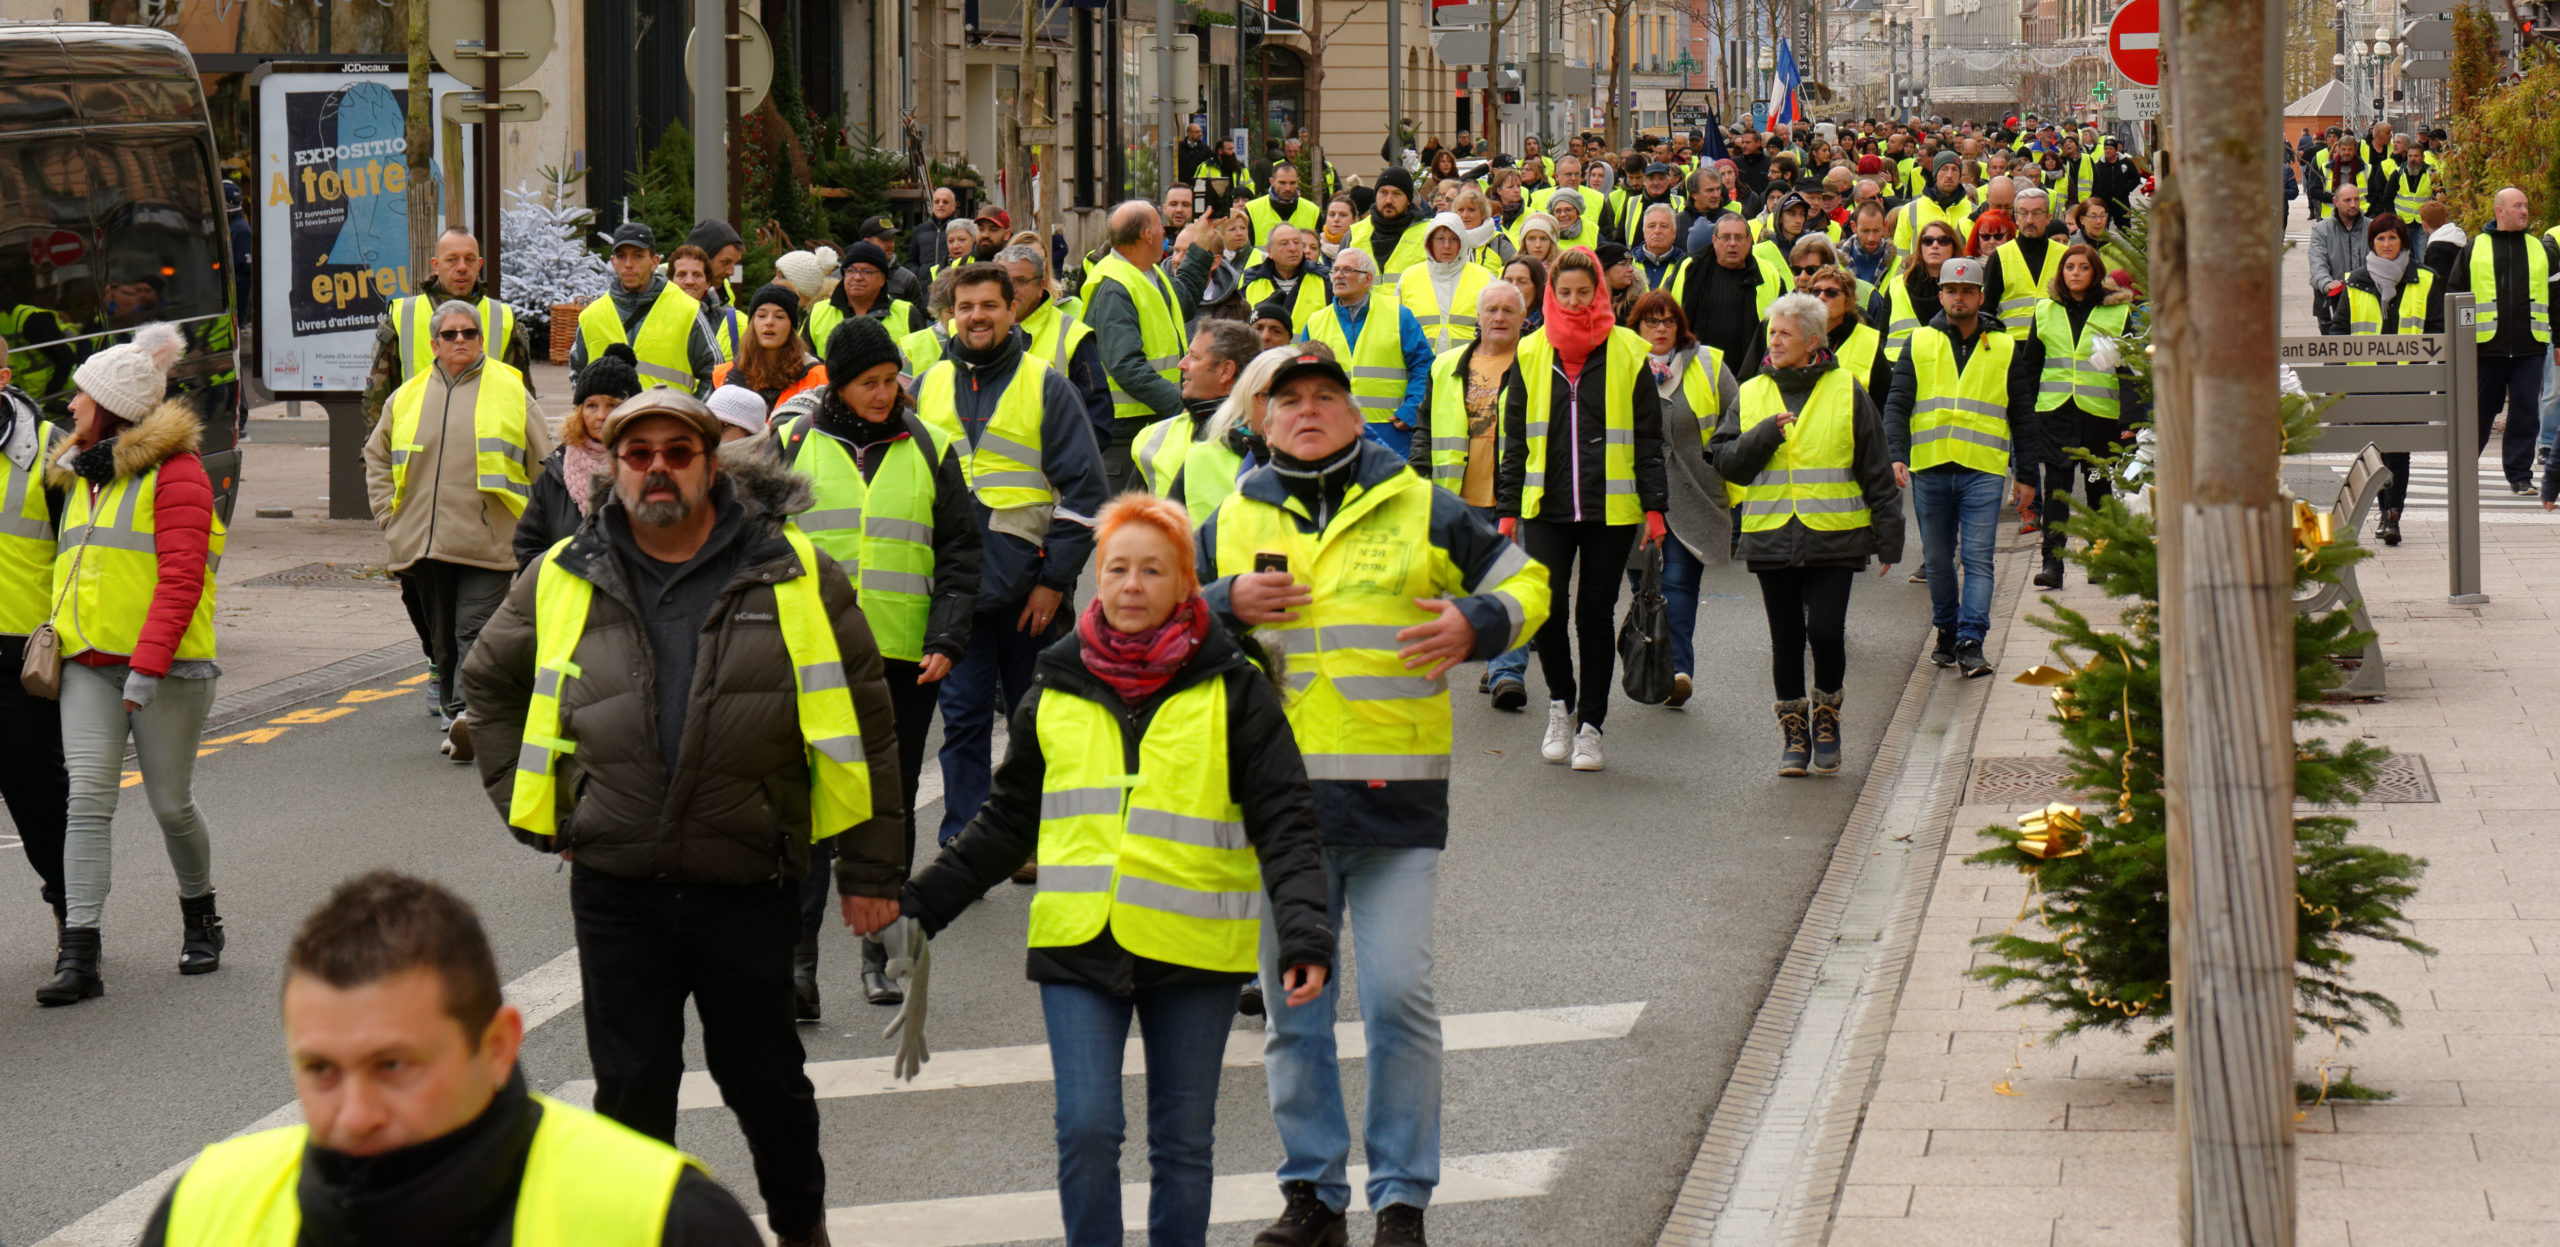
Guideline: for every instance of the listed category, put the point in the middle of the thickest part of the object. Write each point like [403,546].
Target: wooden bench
[2365,479]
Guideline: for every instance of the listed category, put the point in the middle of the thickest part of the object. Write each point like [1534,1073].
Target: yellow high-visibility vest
[1004,465]
[26,537]
[2023,286]
[2069,376]
[1159,857]
[665,344]
[2484,288]
[1208,475]
[839,776]
[587,1180]
[1159,329]
[1408,250]
[879,531]
[413,321]
[1314,292]
[1055,332]
[1811,479]
[1857,353]
[1376,361]
[1454,325]
[499,448]
[106,564]
[1266,217]
[1961,417]
[1904,318]
[1161,449]
[1448,421]
[1627,369]
[826,318]
[2364,307]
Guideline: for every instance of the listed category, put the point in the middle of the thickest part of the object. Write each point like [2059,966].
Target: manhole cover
[2401,779]
[324,576]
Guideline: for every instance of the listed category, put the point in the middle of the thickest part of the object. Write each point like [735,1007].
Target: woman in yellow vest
[2085,401]
[1909,298]
[1805,452]
[1582,479]
[1154,774]
[133,608]
[1441,291]
[2392,292]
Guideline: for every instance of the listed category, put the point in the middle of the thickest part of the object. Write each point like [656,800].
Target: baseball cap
[1312,359]
[1003,219]
[634,234]
[663,401]
[1656,167]
[1961,271]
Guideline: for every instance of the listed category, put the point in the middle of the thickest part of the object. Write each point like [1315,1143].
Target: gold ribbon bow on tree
[2313,528]
[2054,831]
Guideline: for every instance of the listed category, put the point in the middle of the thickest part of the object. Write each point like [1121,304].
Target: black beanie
[711,234]
[780,296]
[615,374]
[866,252]
[1398,179]
[857,346]
[1268,309]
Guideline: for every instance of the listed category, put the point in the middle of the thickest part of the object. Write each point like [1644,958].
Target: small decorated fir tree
[545,263]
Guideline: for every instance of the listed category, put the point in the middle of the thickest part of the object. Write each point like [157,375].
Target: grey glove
[139,688]
[910,958]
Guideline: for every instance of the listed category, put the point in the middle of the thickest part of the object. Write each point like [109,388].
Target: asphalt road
[1673,880]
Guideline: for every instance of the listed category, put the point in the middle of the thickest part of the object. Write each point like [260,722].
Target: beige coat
[443,514]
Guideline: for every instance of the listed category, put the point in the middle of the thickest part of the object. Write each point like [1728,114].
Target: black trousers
[2514,383]
[2069,429]
[2395,492]
[453,603]
[1807,606]
[32,781]
[1603,550]
[913,705]
[1119,458]
[643,947]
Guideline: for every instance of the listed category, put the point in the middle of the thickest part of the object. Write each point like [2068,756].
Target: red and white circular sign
[2133,41]
[59,249]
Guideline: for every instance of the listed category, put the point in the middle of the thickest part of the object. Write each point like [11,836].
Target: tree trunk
[1313,174]
[421,195]
[1618,51]
[2227,634]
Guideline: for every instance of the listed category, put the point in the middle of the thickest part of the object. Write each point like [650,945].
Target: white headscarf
[1445,273]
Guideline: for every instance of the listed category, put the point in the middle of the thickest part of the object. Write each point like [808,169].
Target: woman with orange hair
[1991,229]
[1155,775]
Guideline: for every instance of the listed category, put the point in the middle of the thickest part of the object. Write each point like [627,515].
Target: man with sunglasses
[725,710]
[2021,269]
[449,469]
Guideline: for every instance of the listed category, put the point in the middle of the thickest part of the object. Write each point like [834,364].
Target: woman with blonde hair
[1232,444]
[1153,758]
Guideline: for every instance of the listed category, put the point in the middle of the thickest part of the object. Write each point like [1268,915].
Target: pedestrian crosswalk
[1032,1215]
[2428,486]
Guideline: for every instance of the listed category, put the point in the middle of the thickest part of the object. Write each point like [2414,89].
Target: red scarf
[1576,334]
[1136,664]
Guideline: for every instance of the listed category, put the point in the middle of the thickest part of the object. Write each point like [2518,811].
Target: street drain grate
[2402,779]
[324,576]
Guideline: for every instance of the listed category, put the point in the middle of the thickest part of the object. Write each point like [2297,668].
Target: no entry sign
[2133,41]
[58,249]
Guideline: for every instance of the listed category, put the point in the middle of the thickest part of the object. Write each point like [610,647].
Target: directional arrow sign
[2415,348]
[2133,41]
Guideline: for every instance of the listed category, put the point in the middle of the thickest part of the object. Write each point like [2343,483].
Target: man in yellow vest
[2020,271]
[663,324]
[1289,274]
[1369,584]
[1138,312]
[401,343]
[1060,337]
[890,502]
[1027,451]
[1283,206]
[33,783]
[1383,347]
[626,700]
[1963,392]
[2512,276]
[449,467]
[1944,200]
[1392,232]
[395,966]
[1218,353]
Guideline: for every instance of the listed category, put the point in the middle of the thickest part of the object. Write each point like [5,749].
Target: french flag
[1786,89]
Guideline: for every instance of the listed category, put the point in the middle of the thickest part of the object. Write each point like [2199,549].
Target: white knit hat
[804,273]
[738,405]
[131,379]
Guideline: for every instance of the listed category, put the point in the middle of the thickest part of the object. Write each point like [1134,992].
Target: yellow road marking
[363,695]
[314,714]
[416,680]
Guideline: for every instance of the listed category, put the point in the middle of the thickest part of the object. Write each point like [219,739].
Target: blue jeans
[1681,575]
[2550,408]
[1185,1033]
[1959,511]
[996,669]
[1513,663]
[1388,896]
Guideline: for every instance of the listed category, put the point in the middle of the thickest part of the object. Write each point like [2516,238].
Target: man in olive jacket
[684,808]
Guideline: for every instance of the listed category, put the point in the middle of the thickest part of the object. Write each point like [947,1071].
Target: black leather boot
[2388,528]
[804,976]
[75,970]
[2049,576]
[202,951]
[876,986]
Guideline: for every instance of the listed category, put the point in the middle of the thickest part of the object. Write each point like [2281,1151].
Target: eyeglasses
[678,456]
[1802,270]
[1829,292]
[1993,235]
[459,335]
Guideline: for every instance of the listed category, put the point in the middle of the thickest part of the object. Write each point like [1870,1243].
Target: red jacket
[165,442]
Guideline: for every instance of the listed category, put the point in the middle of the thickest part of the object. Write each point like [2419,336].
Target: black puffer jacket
[736,809]
[1739,456]
[1264,774]
[549,514]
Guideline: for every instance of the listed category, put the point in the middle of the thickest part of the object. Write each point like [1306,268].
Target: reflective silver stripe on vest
[1976,406]
[1378,372]
[1149,894]
[1442,474]
[829,519]
[844,749]
[890,528]
[818,677]
[1822,476]
[1012,480]
[1618,487]
[109,538]
[1387,402]
[2009,305]
[2069,390]
[1007,447]
[1976,436]
[1618,437]
[1902,328]
[533,759]
[547,682]
[1537,428]
[490,482]
[1073,802]
[1388,687]
[671,376]
[1361,767]
[1454,319]
[1162,362]
[496,446]
[1075,878]
[914,583]
[1511,562]
[1332,636]
[1206,833]
[12,522]
[2364,327]
[1805,506]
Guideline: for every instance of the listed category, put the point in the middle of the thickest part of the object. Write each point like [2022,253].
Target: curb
[319,682]
[1769,1170]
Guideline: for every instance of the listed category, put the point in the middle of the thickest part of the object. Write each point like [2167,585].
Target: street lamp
[2376,57]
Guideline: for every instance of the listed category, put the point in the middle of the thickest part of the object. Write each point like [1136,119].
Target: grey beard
[662,512]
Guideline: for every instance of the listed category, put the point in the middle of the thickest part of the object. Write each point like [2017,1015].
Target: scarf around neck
[2387,274]
[1136,664]
[1576,332]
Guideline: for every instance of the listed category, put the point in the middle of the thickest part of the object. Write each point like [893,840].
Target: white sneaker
[1559,739]
[1586,749]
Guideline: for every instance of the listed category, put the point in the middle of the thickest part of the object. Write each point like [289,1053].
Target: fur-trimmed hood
[172,429]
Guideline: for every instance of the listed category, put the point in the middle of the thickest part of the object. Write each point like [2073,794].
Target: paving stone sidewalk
[2467,1152]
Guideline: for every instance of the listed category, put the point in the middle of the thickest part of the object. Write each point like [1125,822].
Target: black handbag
[1644,640]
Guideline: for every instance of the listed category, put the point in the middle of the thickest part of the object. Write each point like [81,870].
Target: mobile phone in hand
[1266,561]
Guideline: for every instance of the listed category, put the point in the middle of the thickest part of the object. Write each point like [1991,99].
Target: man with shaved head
[1137,314]
[2509,273]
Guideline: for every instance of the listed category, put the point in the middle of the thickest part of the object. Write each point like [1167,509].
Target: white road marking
[1033,1215]
[1029,1063]
[542,993]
